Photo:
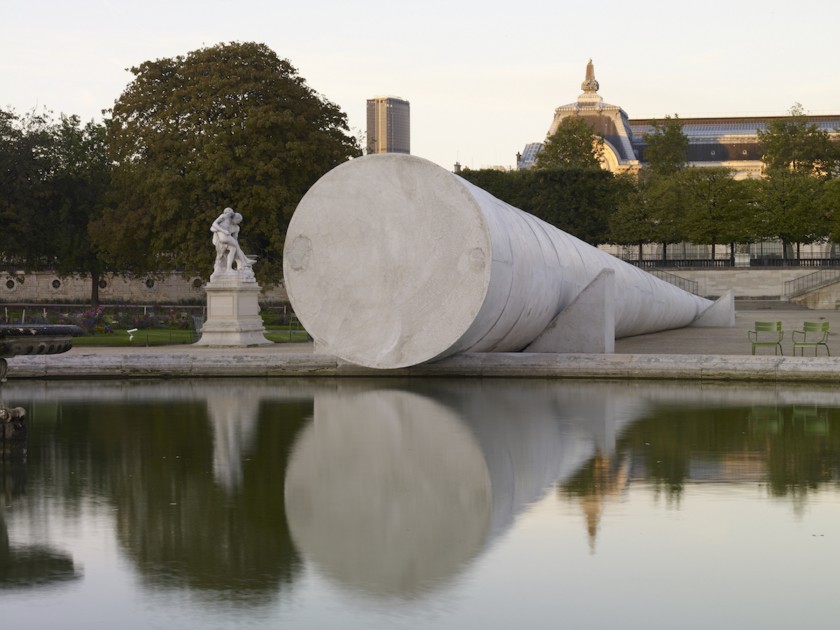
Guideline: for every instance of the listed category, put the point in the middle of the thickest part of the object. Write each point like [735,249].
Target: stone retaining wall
[758,284]
[48,287]
[747,283]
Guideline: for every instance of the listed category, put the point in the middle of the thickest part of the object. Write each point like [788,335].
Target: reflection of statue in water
[225,231]
[234,421]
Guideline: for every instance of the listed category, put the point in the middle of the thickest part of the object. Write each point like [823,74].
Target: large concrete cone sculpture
[393,261]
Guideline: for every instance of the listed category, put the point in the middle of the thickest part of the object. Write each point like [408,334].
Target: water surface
[420,504]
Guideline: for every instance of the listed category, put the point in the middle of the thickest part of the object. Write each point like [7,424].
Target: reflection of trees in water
[154,461]
[32,565]
[29,565]
[189,516]
[802,452]
[12,477]
[793,449]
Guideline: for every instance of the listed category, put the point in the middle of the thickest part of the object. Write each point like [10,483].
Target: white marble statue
[225,231]
[233,312]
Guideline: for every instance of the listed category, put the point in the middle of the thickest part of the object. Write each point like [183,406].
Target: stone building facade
[730,141]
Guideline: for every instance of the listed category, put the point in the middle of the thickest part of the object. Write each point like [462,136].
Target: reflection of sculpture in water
[388,493]
[392,493]
[225,231]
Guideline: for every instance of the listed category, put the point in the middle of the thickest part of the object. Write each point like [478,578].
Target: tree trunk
[94,288]
[640,252]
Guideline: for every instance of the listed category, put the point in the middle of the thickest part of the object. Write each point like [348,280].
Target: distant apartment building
[388,125]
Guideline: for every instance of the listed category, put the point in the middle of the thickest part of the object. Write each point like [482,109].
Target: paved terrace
[688,353]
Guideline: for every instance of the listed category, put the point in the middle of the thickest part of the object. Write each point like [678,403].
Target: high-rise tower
[388,125]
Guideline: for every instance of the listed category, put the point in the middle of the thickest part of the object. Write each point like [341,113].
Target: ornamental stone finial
[590,85]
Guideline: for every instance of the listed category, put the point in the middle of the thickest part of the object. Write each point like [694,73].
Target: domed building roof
[609,121]
[729,141]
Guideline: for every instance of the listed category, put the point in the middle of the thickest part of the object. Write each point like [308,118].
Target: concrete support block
[585,325]
[720,314]
[233,315]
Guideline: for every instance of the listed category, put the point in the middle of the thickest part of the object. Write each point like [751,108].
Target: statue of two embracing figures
[225,231]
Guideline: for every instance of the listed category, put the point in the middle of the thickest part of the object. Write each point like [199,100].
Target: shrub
[94,321]
[178,319]
[143,321]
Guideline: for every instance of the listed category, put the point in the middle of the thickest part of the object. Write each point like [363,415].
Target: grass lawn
[171,336]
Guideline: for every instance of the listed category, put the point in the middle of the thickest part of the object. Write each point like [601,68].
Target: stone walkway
[731,340]
[687,353]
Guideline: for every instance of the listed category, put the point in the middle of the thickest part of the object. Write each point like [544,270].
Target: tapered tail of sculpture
[392,261]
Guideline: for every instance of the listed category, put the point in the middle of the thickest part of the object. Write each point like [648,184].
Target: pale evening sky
[483,78]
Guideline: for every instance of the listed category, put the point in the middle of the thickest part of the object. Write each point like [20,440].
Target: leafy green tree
[666,199]
[792,143]
[714,204]
[77,195]
[830,205]
[635,222]
[574,144]
[657,204]
[789,208]
[509,186]
[25,168]
[577,201]
[229,125]
[666,151]
[55,177]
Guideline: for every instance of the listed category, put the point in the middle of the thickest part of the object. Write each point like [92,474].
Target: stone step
[767,305]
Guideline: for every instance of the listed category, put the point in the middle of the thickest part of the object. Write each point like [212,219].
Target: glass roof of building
[529,153]
[717,127]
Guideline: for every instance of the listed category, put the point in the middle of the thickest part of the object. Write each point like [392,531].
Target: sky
[483,78]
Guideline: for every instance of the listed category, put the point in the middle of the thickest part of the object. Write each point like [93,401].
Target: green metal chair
[813,335]
[767,334]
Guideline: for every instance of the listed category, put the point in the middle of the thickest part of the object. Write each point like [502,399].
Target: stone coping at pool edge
[207,362]
[719,354]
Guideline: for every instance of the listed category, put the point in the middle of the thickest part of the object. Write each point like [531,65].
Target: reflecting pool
[355,503]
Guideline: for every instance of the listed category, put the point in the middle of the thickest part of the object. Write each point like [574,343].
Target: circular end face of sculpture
[387,261]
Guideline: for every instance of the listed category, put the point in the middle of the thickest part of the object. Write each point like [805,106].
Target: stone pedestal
[233,313]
